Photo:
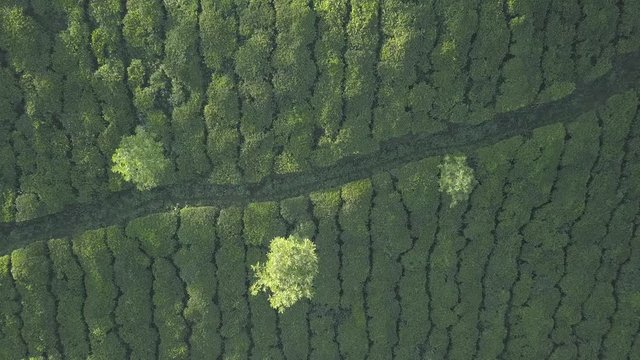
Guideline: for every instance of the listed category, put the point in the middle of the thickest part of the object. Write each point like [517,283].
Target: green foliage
[288,273]
[141,28]
[198,240]
[168,308]
[456,178]
[262,222]
[67,286]
[140,159]
[30,270]
[236,92]
[10,343]
[155,233]
[134,310]
[232,279]
[101,293]
[24,39]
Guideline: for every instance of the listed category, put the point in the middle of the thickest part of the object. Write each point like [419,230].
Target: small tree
[140,159]
[456,178]
[288,274]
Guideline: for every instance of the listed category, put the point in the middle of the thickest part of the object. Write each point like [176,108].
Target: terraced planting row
[541,262]
[240,90]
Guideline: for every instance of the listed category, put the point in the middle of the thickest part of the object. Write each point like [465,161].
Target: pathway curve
[120,207]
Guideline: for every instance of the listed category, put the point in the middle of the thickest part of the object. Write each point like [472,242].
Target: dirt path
[123,206]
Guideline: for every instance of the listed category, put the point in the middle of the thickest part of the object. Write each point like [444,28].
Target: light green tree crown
[140,159]
[456,178]
[288,274]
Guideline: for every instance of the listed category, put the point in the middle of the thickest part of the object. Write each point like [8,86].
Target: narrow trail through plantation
[120,207]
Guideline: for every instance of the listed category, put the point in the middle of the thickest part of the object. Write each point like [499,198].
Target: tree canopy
[288,273]
[456,178]
[140,159]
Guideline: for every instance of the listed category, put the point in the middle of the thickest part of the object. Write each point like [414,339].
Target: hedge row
[541,252]
[494,164]
[198,242]
[327,284]
[295,329]
[388,221]
[360,87]
[9,98]
[134,311]
[30,268]
[11,342]
[182,62]
[232,283]
[417,184]
[327,100]
[441,276]
[101,294]
[68,287]
[604,224]
[253,66]
[354,219]
[262,222]
[529,185]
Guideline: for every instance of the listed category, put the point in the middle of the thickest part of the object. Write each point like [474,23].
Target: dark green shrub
[264,332]
[155,233]
[181,56]
[327,285]
[30,268]
[256,156]
[327,92]
[142,29]
[24,39]
[595,34]
[294,331]
[68,287]
[134,310]
[417,183]
[222,116]
[262,223]
[28,207]
[190,144]
[168,298]
[11,344]
[353,220]
[396,69]
[218,33]
[296,212]
[521,73]
[101,294]
[232,279]
[388,221]
[629,28]
[195,261]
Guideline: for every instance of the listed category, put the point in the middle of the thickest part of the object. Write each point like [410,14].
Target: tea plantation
[326,120]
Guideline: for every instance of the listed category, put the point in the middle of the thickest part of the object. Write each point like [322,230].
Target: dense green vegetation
[140,159]
[541,261]
[456,178]
[240,89]
[525,246]
[288,273]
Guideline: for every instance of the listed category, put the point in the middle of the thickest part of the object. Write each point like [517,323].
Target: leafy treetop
[456,178]
[288,274]
[140,159]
